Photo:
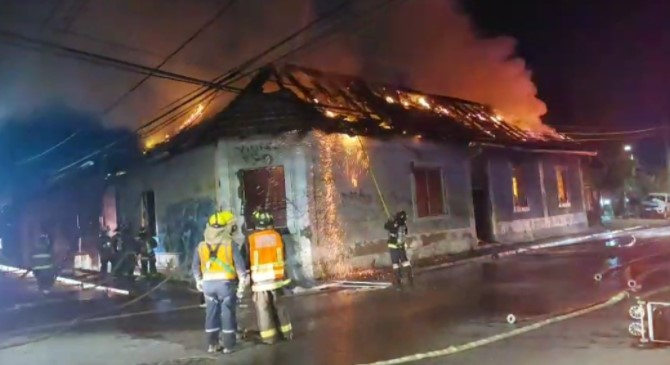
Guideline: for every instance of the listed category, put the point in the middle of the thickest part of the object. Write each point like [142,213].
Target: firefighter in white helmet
[266,254]
[217,268]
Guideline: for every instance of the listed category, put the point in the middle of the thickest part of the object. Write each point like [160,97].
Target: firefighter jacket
[42,258]
[147,246]
[106,245]
[266,260]
[397,234]
[218,257]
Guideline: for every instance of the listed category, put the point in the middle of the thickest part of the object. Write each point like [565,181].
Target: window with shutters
[265,187]
[562,186]
[428,192]
[519,189]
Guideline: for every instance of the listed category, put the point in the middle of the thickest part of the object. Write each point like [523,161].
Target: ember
[351,99]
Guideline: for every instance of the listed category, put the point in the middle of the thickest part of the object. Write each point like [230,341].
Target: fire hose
[73,323]
[374,179]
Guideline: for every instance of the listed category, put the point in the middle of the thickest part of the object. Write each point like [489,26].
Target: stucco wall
[545,217]
[185,195]
[289,151]
[359,236]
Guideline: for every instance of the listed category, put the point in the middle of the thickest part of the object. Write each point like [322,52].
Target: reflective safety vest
[216,261]
[266,255]
[41,259]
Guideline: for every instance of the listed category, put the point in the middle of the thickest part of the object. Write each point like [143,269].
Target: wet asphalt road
[451,306]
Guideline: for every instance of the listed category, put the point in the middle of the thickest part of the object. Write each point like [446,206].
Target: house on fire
[331,155]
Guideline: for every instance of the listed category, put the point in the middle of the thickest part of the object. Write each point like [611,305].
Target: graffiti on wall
[358,196]
[261,154]
[185,223]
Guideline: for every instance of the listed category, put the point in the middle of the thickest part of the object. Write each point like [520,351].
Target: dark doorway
[482,206]
[265,187]
[481,198]
[149,211]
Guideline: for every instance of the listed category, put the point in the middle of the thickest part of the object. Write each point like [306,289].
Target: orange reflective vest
[216,261]
[266,256]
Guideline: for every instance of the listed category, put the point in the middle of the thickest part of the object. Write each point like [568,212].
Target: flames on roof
[353,100]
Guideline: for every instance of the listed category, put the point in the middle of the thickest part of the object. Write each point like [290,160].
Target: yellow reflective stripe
[268,333]
[392,245]
[269,285]
[218,276]
[262,276]
[286,328]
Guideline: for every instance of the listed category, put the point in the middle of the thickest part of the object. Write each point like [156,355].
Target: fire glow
[152,141]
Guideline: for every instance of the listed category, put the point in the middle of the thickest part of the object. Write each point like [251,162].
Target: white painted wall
[361,214]
[289,151]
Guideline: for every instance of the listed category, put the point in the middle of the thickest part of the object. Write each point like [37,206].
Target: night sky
[595,62]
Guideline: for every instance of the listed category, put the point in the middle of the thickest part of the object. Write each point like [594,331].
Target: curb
[517,251]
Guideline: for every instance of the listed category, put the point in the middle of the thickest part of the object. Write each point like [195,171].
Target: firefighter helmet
[262,219]
[221,219]
[401,216]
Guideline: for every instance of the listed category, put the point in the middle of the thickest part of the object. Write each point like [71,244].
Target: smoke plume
[432,46]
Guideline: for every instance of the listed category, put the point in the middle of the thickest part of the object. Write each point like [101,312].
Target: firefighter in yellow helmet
[266,254]
[217,268]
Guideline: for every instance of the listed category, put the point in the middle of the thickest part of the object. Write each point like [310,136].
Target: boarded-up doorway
[265,187]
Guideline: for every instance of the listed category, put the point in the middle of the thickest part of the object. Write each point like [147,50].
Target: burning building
[331,156]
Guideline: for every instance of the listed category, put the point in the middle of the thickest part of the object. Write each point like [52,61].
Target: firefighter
[127,252]
[147,245]
[266,254]
[397,241]
[42,263]
[106,251]
[217,268]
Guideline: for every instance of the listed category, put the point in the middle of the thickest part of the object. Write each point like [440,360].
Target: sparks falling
[330,227]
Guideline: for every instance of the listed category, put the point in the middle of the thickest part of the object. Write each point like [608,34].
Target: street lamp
[627,147]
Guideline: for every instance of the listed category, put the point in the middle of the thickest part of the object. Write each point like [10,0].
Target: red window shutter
[435,194]
[421,192]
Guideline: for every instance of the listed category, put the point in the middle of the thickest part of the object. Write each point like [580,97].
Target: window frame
[561,173]
[443,191]
[516,207]
[247,209]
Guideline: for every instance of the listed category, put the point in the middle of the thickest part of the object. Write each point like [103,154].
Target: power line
[201,91]
[118,101]
[183,45]
[637,131]
[226,76]
[323,35]
[48,150]
[16,39]
[614,139]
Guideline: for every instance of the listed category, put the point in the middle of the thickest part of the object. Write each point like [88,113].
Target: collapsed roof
[293,98]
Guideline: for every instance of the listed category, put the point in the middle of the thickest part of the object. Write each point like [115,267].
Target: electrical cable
[16,39]
[48,150]
[638,131]
[222,11]
[233,71]
[311,42]
[200,92]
